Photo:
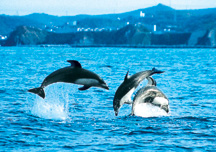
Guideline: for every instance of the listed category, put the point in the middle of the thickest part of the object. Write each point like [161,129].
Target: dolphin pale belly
[72,74]
[128,86]
[150,94]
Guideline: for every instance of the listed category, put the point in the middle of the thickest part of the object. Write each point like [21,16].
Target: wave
[148,110]
[54,106]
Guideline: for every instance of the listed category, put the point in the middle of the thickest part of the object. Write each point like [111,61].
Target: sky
[92,7]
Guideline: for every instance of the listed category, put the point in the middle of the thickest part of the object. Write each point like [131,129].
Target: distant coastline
[118,46]
[128,36]
[154,27]
[142,46]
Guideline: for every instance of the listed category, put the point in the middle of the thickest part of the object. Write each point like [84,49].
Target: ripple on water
[72,120]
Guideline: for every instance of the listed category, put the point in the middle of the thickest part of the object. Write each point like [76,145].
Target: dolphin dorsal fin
[126,76]
[74,63]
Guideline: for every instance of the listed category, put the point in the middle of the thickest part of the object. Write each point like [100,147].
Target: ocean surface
[72,120]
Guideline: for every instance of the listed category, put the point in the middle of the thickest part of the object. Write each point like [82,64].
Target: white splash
[54,106]
[149,110]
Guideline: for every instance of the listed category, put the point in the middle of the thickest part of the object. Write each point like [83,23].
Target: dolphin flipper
[84,88]
[151,81]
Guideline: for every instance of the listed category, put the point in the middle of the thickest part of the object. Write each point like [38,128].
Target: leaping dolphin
[150,94]
[126,89]
[71,74]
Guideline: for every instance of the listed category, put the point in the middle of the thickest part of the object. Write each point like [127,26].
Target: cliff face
[170,39]
[212,37]
[26,36]
[32,36]
[135,35]
[195,36]
[205,37]
[128,35]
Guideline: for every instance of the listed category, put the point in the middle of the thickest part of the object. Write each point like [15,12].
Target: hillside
[162,16]
[33,36]
[26,36]
[129,35]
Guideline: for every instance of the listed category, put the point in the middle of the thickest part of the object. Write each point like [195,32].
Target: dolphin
[71,74]
[125,90]
[150,94]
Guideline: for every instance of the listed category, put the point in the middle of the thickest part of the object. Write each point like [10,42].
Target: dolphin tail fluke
[39,91]
[157,71]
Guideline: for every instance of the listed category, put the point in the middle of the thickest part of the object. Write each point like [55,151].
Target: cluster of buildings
[74,26]
[67,28]
[94,29]
[3,37]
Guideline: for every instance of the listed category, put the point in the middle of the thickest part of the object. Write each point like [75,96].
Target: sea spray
[149,110]
[55,105]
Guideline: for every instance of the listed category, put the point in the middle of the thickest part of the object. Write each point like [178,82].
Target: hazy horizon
[92,7]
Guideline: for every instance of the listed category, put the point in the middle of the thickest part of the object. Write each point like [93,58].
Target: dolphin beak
[105,86]
[165,108]
[116,113]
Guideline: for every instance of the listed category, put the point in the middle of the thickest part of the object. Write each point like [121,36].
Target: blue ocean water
[73,120]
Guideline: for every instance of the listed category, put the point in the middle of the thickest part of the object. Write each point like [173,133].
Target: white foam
[149,110]
[54,106]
